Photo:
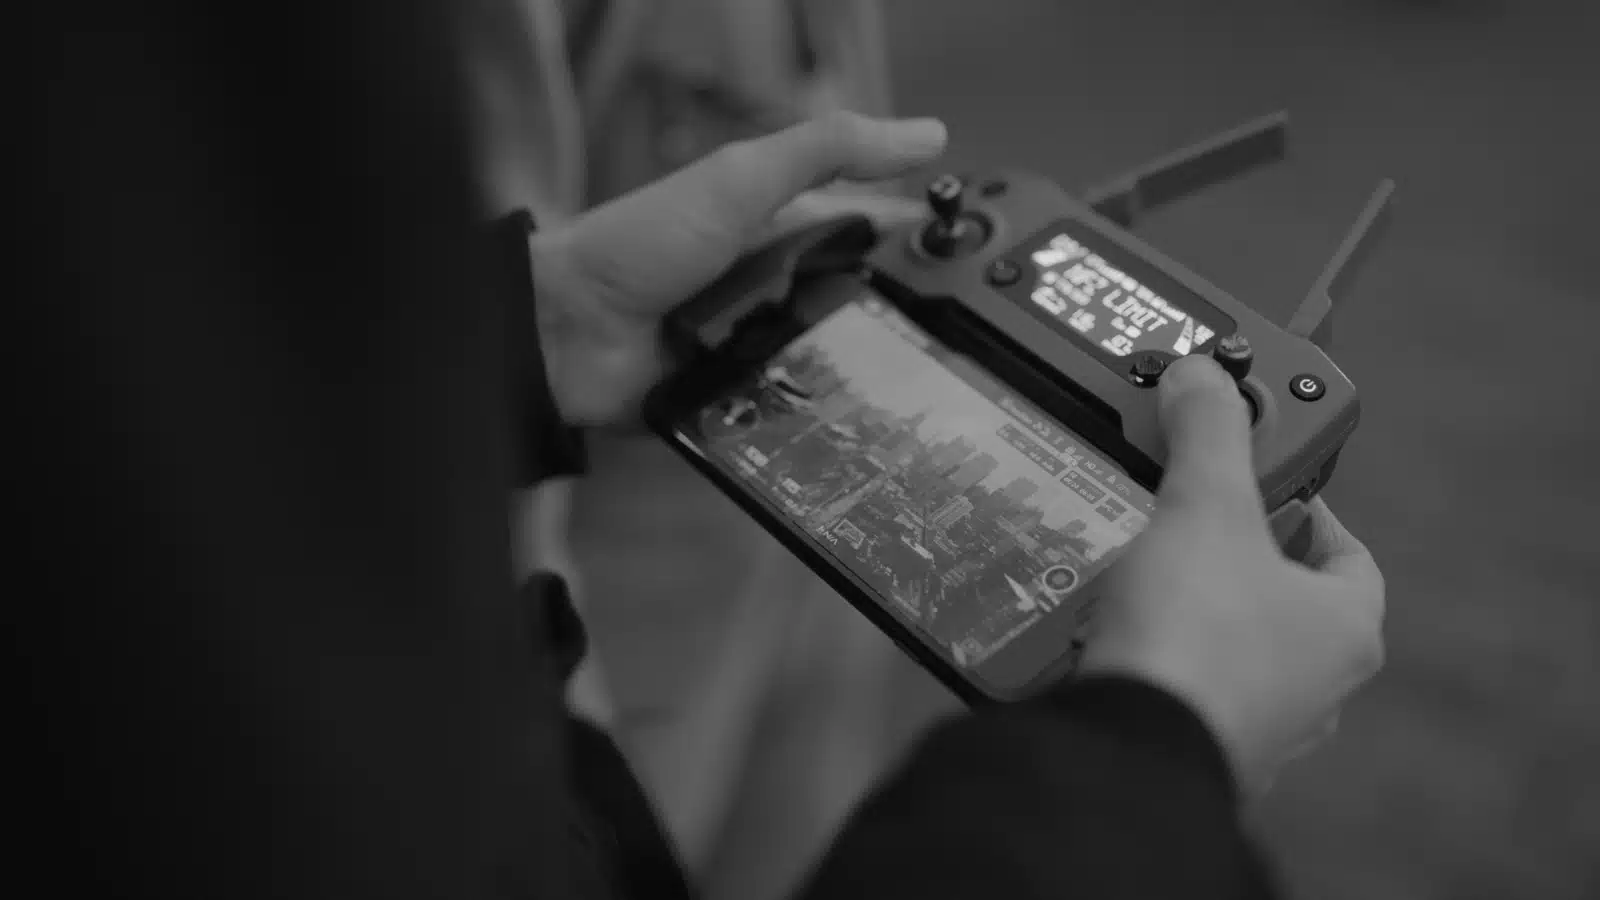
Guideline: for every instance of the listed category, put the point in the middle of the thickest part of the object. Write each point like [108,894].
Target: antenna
[1314,319]
[1196,167]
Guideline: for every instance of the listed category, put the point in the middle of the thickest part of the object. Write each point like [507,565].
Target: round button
[1058,580]
[1307,387]
[1003,272]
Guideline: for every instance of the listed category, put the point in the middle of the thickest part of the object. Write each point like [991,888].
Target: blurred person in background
[581,101]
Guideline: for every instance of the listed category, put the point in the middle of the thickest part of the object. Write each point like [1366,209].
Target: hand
[604,279]
[1206,606]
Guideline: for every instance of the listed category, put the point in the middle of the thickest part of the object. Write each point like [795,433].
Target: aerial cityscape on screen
[968,511]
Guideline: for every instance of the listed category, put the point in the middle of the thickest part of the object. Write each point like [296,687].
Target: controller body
[1302,405]
[1073,314]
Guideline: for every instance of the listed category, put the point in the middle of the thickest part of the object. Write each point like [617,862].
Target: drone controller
[955,424]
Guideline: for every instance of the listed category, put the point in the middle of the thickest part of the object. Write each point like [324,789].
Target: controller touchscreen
[970,514]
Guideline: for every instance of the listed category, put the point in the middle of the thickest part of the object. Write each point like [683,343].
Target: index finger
[885,208]
[753,179]
[1335,551]
[662,242]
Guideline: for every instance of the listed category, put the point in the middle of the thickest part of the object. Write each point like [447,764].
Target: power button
[1307,387]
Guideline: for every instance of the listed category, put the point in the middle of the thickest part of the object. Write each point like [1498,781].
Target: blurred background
[1471,768]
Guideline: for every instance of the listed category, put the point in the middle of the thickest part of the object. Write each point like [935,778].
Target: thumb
[751,180]
[887,211]
[1207,430]
[658,244]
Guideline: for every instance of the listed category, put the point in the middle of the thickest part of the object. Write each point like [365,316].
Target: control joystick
[946,198]
[954,231]
[1235,355]
[1147,369]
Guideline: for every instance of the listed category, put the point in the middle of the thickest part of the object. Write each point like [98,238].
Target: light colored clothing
[620,92]
[741,687]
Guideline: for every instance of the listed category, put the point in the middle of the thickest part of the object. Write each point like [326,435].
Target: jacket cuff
[546,447]
[1148,716]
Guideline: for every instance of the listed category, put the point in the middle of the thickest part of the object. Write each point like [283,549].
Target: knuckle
[1378,591]
[1370,652]
[1358,636]
[841,128]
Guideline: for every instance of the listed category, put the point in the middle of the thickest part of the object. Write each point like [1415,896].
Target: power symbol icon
[1307,387]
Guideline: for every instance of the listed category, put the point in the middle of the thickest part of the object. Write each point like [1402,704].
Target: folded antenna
[1314,319]
[1200,165]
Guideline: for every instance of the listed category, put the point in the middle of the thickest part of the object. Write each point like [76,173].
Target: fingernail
[921,134]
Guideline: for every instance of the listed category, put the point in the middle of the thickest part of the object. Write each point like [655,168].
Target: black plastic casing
[1294,439]
[774,295]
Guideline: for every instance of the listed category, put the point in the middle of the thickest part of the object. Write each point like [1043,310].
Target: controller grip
[766,277]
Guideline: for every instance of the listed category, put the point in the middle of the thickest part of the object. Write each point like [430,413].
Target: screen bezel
[1175,292]
[681,397]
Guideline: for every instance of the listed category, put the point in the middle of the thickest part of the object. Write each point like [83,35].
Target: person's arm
[1109,789]
[273,648]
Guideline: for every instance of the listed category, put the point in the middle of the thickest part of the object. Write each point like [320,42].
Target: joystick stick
[954,231]
[1148,369]
[1235,355]
[946,197]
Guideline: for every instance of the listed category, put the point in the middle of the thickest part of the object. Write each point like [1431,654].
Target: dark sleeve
[1109,790]
[271,646]
[545,447]
[618,847]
